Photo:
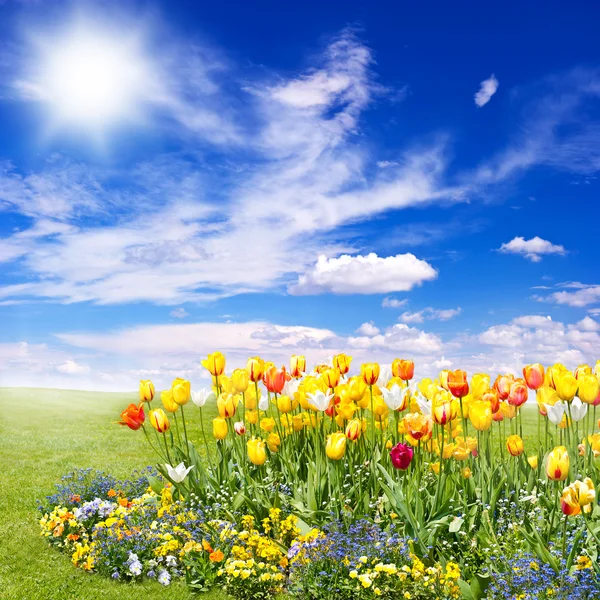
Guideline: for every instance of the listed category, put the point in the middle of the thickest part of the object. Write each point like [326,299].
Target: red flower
[275,380]
[133,416]
[458,384]
[401,455]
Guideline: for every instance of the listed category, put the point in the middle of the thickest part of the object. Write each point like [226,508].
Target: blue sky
[412,181]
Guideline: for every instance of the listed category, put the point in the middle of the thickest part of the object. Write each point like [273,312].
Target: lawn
[45,434]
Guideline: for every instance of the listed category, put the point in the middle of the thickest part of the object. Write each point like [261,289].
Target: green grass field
[45,434]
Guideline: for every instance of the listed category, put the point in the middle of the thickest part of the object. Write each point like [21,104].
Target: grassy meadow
[47,433]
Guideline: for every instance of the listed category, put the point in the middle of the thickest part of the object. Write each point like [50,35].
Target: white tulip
[178,473]
[290,387]
[556,412]
[578,409]
[320,400]
[263,403]
[395,397]
[424,404]
[201,397]
[385,374]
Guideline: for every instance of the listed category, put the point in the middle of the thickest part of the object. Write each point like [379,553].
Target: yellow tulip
[240,380]
[251,398]
[166,398]
[285,404]
[480,383]
[480,415]
[461,451]
[267,424]
[588,388]
[297,423]
[546,395]
[252,416]
[255,367]
[331,377]
[356,389]
[273,442]
[578,495]
[226,405]
[533,461]
[257,452]
[146,390]
[335,447]
[582,370]
[297,366]
[380,408]
[466,473]
[435,467]
[515,445]
[180,389]
[220,428]
[557,465]
[353,429]
[214,364]
[566,385]
[441,412]
[370,373]
[342,363]
[159,420]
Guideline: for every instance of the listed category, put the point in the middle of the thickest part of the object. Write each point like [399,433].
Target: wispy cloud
[430,314]
[487,89]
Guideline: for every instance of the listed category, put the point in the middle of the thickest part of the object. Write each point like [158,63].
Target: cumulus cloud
[368,329]
[580,298]
[430,314]
[487,89]
[532,249]
[369,274]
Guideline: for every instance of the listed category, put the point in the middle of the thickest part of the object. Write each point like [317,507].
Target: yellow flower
[514,445]
[240,380]
[255,367]
[146,390]
[285,404]
[480,383]
[220,428]
[566,385]
[180,391]
[480,415]
[466,473]
[578,495]
[273,442]
[226,405]
[370,373]
[533,461]
[159,420]
[557,465]
[252,416]
[331,377]
[298,423]
[353,429]
[166,398]
[267,424]
[257,452]
[342,363]
[588,388]
[214,364]
[336,445]
[297,365]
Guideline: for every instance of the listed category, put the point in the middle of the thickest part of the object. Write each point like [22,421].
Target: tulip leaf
[455,525]
[156,484]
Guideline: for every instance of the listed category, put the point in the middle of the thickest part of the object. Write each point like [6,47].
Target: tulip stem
[167,449]
[187,447]
[208,453]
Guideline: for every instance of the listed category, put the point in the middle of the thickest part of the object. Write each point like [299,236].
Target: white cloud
[580,298]
[532,249]
[442,363]
[179,313]
[368,329]
[389,302]
[72,368]
[487,89]
[384,164]
[369,274]
[430,314]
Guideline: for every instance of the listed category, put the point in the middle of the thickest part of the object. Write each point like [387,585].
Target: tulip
[518,393]
[588,388]
[480,384]
[297,423]
[267,424]
[263,404]
[370,373]
[458,384]
[578,495]
[401,456]
[396,398]
[404,369]
[480,415]
[180,390]
[133,416]
[335,447]
[418,426]
[466,473]
[239,427]
[285,404]
[578,410]
[533,461]
[331,377]
[226,405]
[273,442]
[320,401]
[257,452]
[502,385]
[179,473]
[146,390]
[240,381]
[534,376]
[297,365]
[461,451]
[435,467]
[425,406]
[214,364]
[252,416]
[342,363]
[201,397]
[353,429]
[441,412]
[566,385]
[546,395]
[597,368]
[582,370]
[443,377]
[492,397]
[514,445]
[356,388]
[159,420]
[255,367]
[557,464]
[220,428]
[166,397]
[274,379]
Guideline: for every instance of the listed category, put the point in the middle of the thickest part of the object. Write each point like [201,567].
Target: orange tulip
[534,376]
[418,426]
[133,416]
[518,393]
[502,385]
[274,379]
[404,369]
[458,384]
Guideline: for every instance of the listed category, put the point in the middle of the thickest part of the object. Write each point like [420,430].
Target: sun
[93,79]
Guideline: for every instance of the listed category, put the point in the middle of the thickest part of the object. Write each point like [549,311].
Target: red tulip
[502,385]
[534,376]
[518,393]
[275,380]
[458,384]
[133,416]
[401,456]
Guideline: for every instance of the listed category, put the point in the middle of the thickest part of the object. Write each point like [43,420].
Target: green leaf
[156,484]
[455,525]
[479,585]
[465,589]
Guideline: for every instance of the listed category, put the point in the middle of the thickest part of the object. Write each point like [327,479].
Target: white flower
[424,404]
[263,403]
[556,412]
[171,561]
[578,409]
[320,400]
[290,387]
[164,578]
[395,397]
[201,397]
[178,473]
[385,374]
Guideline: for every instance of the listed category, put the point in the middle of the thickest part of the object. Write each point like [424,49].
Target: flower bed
[331,486]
